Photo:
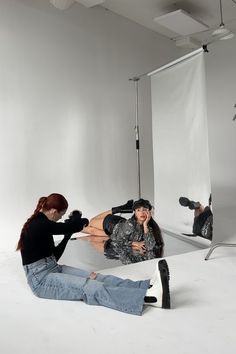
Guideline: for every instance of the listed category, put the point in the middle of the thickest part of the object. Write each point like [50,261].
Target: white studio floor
[202,318]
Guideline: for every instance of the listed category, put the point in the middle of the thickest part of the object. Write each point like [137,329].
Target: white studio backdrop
[180,140]
[66,108]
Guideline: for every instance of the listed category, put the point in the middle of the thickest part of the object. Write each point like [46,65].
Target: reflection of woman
[136,239]
[50,280]
[203,217]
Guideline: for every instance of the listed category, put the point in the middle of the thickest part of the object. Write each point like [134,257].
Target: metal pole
[219,244]
[136,80]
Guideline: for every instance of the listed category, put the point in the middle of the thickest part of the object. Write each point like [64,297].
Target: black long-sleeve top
[38,239]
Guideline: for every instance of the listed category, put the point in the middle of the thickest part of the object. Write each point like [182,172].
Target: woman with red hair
[50,280]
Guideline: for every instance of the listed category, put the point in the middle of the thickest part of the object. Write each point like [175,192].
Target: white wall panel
[221,88]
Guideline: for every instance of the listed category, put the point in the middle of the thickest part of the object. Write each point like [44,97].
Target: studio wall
[67,108]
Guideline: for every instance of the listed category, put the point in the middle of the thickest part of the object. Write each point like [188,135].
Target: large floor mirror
[180,147]
[182,203]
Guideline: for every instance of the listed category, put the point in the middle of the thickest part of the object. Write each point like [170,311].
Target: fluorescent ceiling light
[180,22]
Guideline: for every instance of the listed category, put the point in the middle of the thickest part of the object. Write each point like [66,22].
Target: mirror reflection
[134,239]
[111,240]
[203,218]
[182,183]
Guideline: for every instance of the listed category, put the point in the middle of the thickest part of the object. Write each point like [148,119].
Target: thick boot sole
[124,209]
[190,235]
[165,277]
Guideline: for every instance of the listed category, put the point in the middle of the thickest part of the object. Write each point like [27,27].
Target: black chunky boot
[124,209]
[189,203]
[159,294]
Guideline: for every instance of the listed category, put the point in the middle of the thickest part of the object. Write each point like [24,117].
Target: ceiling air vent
[181,23]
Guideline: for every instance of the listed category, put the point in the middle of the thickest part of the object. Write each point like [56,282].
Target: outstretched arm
[74,224]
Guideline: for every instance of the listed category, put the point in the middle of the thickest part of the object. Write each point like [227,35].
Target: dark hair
[159,247]
[142,203]
[53,201]
[158,238]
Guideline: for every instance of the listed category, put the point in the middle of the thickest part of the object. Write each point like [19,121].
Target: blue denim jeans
[47,279]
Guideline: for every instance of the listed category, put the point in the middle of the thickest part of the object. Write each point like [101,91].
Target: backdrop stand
[136,80]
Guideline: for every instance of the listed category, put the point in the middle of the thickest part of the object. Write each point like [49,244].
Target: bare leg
[95,226]
[93,231]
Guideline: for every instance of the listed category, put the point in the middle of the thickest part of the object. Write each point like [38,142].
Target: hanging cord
[221,15]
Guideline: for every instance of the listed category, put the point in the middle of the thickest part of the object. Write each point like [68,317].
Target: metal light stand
[219,244]
[136,80]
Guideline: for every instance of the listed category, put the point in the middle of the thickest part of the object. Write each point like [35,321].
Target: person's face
[57,215]
[141,214]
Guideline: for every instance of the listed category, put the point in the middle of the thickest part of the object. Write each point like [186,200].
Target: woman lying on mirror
[203,218]
[47,279]
[131,240]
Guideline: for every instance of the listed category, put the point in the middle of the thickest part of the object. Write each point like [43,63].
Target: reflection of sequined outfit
[203,224]
[126,232]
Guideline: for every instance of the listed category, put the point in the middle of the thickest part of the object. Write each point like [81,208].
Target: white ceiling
[143,12]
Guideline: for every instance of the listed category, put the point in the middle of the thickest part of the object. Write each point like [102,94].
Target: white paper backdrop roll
[180,141]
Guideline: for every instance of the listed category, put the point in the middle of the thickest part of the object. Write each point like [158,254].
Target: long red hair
[53,201]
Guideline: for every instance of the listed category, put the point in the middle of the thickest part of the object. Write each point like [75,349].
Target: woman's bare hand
[139,246]
[93,275]
[149,215]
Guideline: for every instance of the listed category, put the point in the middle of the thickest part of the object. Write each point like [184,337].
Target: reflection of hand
[139,246]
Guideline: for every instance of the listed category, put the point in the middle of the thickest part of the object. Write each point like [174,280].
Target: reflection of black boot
[189,203]
[124,209]
[210,200]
